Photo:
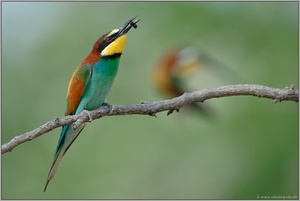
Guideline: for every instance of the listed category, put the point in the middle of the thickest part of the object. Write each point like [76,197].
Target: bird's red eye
[108,39]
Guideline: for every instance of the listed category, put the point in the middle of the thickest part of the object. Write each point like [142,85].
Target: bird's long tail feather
[67,137]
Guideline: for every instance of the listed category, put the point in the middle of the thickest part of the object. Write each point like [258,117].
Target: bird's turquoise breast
[103,75]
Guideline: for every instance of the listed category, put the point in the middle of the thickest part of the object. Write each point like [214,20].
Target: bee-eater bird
[175,67]
[90,84]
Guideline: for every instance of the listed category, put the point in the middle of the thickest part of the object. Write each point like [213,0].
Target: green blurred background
[250,149]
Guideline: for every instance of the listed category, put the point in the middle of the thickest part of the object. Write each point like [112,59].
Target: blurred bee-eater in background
[175,67]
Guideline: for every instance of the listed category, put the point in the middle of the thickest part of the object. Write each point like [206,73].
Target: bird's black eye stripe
[107,41]
[102,46]
[111,37]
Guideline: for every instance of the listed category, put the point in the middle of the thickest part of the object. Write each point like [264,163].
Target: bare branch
[145,108]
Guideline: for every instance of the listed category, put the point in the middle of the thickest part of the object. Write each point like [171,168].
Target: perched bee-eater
[90,84]
[175,68]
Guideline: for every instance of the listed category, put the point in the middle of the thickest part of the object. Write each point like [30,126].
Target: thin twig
[145,108]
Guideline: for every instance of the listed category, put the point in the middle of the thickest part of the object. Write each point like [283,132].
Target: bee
[134,24]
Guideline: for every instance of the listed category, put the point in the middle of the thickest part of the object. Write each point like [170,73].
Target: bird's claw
[107,105]
[89,114]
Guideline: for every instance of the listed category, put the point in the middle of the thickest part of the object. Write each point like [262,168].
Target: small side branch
[145,108]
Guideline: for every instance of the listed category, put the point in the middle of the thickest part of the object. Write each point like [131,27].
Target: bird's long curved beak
[128,25]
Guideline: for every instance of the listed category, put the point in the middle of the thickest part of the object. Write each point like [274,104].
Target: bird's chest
[101,80]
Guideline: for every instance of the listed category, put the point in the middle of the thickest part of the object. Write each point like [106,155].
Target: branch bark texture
[145,108]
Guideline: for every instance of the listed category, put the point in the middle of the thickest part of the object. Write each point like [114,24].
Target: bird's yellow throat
[115,47]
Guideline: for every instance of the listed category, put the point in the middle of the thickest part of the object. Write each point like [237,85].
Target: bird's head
[113,43]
